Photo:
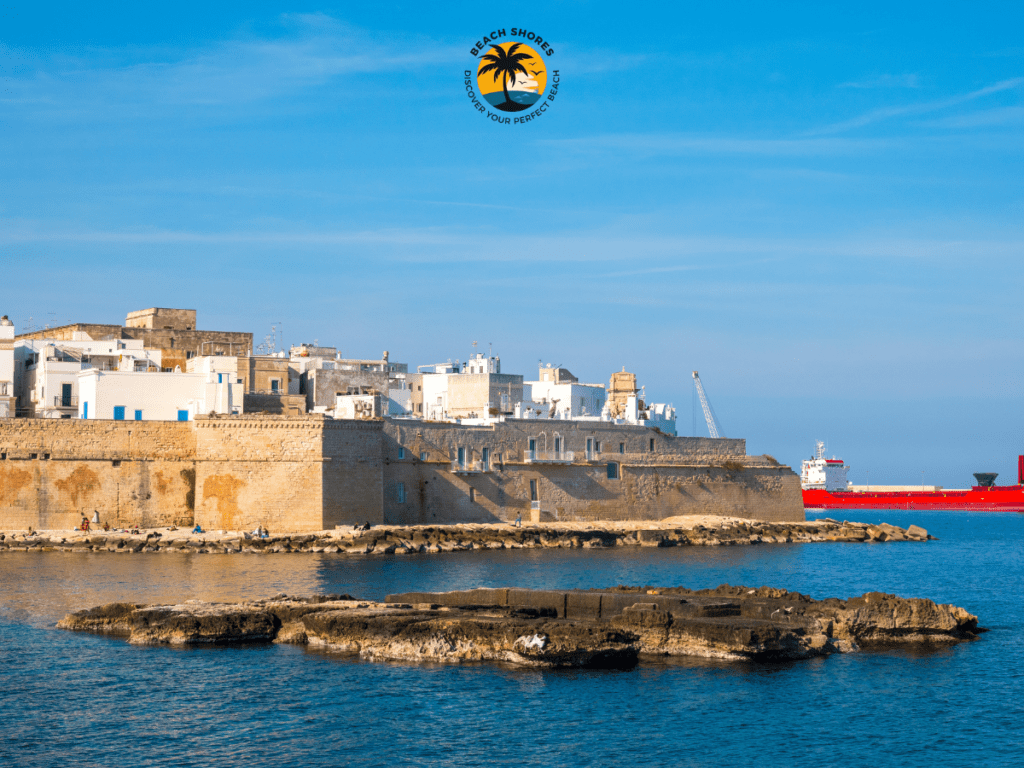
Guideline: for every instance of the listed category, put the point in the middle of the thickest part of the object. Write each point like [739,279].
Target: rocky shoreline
[548,628]
[427,539]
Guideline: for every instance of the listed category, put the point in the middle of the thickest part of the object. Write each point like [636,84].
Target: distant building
[46,371]
[561,395]
[325,375]
[7,396]
[212,387]
[405,395]
[172,332]
[271,385]
[476,389]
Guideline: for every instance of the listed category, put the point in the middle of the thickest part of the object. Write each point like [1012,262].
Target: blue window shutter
[85,409]
[118,413]
[182,415]
[138,415]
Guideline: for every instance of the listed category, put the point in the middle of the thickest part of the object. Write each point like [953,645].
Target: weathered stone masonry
[681,475]
[310,473]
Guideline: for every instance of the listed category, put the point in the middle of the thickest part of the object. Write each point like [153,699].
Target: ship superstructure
[820,473]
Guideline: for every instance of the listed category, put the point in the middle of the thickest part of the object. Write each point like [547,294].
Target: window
[597,446]
[275,385]
[462,458]
[613,471]
[533,490]
[401,452]
[115,463]
[472,494]
[118,413]
[182,415]
[400,493]
[138,415]
[622,447]
[220,378]
[533,448]
[652,445]
[485,459]
[423,456]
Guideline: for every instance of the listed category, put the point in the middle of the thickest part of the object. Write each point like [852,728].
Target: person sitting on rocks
[264,533]
[197,529]
[85,524]
[106,526]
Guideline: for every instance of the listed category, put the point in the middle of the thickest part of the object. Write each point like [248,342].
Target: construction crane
[709,414]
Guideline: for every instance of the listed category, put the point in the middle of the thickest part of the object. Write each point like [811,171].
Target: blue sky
[821,210]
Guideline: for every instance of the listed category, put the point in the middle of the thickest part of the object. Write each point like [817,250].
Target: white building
[212,387]
[564,396]
[8,398]
[46,371]
[476,389]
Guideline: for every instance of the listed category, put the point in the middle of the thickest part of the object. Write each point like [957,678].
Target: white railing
[471,466]
[549,457]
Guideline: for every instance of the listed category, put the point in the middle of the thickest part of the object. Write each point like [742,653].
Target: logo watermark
[511,83]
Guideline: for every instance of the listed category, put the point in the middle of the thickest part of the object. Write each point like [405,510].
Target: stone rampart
[304,473]
[54,471]
[499,477]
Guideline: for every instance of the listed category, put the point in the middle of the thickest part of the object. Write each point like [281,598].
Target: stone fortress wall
[303,473]
[679,476]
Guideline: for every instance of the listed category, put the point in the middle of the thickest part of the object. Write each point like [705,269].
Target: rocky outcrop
[607,628]
[432,539]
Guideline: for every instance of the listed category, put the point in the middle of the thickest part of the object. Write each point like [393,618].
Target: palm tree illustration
[505,65]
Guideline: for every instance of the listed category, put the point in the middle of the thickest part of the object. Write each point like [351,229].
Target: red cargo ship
[825,487]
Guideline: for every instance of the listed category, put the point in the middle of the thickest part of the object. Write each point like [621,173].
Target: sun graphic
[511,76]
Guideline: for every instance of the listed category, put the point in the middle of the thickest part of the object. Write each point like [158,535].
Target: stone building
[325,376]
[271,385]
[171,331]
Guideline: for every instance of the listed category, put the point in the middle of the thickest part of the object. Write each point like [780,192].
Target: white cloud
[878,115]
[886,81]
[683,144]
[312,49]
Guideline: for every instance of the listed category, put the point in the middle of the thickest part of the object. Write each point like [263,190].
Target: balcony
[548,457]
[65,402]
[470,468]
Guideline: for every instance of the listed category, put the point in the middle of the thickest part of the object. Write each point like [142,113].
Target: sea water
[72,699]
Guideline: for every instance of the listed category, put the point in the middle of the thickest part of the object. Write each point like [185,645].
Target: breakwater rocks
[401,540]
[548,628]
